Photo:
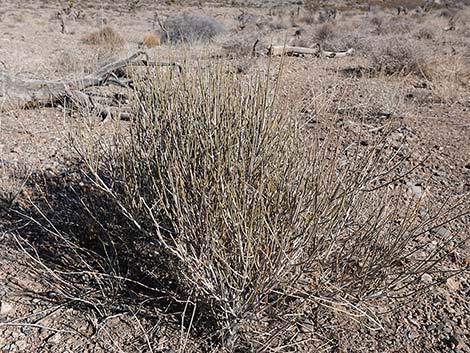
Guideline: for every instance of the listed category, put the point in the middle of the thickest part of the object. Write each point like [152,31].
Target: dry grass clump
[259,221]
[190,27]
[398,57]
[425,33]
[241,43]
[393,26]
[151,40]
[377,21]
[106,36]
[340,37]
[13,178]
[450,77]
[324,32]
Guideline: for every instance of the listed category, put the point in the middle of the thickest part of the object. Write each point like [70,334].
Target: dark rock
[299,32]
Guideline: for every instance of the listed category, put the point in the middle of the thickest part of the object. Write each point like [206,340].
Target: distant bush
[324,32]
[377,21]
[425,33]
[189,27]
[106,36]
[151,40]
[398,57]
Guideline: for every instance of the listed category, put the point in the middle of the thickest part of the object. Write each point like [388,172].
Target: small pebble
[426,278]
[6,308]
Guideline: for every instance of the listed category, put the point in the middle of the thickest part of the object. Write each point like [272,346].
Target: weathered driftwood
[29,93]
[336,54]
[278,50]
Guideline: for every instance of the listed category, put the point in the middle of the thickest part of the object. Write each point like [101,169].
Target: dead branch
[253,51]
[31,93]
[278,50]
[337,54]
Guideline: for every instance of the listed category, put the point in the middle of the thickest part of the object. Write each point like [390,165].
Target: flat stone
[6,308]
[22,345]
[453,284]
[426,278]
[417,190]
[10,348]
[55,338]
[441,231]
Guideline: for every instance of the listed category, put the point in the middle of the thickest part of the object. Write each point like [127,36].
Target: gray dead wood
[30,93]
[278,50]
[336,54]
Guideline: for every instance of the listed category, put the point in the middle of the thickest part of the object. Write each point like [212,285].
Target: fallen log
[278,50]
[31,93]
[336,54]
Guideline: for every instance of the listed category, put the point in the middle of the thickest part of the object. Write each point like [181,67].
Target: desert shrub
[189,27]
[258,219]
[240,43]
[151,40]
[278,23]
[450,76]
[307,19]
[327,14]
[312,6]
[395,26]
[324,32]
[338,38]
[13,178]
[425,33]
[376,21]
[106,37]
[398,57]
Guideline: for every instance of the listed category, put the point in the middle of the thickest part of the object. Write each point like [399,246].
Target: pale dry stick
[110,338]
[54,274]
[279,50]
[55,232]
[102,323]
[189,328]
[160,23]
[184,341]
[328,303]
[52,310]
[147,339]
[26,324]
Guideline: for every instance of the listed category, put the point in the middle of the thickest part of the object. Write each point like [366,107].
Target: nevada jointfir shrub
[258,217]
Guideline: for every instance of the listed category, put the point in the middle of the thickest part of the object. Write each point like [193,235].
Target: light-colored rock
[10,348]
[453,284]
[22,345]
[6,308]
[441,232]
[55,338]
[426,278]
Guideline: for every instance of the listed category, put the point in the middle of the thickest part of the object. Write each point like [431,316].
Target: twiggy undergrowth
[222,210]
[259,218]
